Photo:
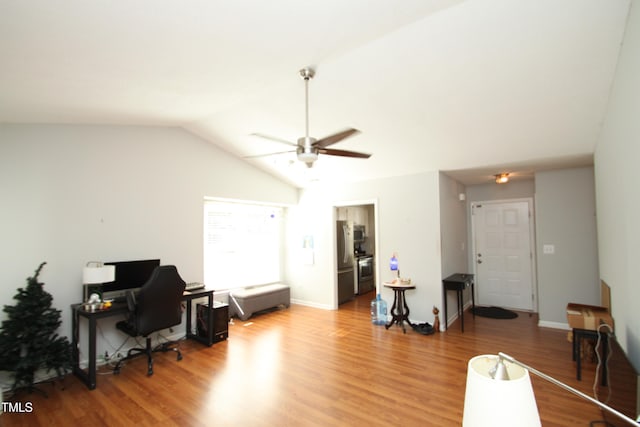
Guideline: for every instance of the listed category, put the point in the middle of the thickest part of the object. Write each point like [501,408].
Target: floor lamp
[499,393]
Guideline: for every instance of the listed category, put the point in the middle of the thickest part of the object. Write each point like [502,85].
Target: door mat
[494,312]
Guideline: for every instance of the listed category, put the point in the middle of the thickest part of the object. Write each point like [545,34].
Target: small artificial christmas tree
[28,338]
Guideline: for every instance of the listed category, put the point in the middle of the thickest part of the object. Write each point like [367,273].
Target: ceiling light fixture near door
[502,178]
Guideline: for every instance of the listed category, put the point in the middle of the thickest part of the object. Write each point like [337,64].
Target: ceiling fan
[308,148]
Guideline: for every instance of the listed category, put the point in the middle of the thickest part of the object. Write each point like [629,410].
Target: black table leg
[92,353]
[88,377]
[473,299]
[446,318]
[188,318]
[399,310]
[605,347]
[401,315]
[406,307]
[461,308]
[210,321]
[393,308]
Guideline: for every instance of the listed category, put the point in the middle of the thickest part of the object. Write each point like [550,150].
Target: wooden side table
[458,282]
[399,309]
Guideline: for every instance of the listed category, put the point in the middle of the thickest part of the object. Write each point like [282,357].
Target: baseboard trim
[554,325]
[311,304]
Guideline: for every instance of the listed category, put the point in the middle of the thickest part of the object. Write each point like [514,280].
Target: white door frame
[347,203]
[532,243]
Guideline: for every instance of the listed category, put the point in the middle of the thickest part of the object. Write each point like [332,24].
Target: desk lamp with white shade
[94,274]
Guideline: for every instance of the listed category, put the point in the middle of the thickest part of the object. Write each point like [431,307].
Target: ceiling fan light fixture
[502,178]
[306,152]
[307,157]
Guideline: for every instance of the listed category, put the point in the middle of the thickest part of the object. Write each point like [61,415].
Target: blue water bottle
[378,311]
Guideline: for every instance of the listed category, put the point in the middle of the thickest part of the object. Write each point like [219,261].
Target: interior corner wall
[409,224]
[74,194]
[566,219]
[618,200]
[453,236]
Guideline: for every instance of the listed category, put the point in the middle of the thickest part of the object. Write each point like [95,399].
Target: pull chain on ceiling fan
[307,147]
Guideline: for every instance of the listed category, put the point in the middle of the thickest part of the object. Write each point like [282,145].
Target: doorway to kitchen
[355,250]
[502,233]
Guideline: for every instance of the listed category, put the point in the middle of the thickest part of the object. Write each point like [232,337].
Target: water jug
[378,311]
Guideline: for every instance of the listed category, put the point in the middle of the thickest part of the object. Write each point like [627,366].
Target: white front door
[503,254]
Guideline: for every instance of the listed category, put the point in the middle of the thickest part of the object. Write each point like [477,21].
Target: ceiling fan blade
[268,154]
[273,138]
[336,137]
[343,153]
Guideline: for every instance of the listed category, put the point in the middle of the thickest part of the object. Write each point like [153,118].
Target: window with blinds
[242,244]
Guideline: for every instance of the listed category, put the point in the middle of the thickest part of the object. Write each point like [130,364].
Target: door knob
[479,261]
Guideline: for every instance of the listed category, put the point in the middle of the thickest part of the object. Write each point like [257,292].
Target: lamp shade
[98,273]
[492,402]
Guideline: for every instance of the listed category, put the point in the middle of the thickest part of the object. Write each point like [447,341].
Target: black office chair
[156,306]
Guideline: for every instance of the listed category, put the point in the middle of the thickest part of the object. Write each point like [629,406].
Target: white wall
[514,189]
[409,223]
[73,194]
[453,232]
[312,284]
[566,219]
[617,197]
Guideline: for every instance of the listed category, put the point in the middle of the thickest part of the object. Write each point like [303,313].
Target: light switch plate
[548,249]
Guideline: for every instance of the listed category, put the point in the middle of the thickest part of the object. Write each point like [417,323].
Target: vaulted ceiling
[471,87]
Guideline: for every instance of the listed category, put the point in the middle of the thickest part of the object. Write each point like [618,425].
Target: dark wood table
[399,309]
[458,282]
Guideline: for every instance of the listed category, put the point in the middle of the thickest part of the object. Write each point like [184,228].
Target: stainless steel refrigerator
[346,272]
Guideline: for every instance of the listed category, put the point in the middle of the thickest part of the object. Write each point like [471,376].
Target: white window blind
[242,244]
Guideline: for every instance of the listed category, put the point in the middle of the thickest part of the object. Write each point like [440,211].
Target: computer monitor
[129,275]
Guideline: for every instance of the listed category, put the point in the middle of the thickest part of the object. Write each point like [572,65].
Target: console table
[77,311]
[399,309]
[458,282]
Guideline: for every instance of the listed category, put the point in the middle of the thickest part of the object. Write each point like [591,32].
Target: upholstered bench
[245,302]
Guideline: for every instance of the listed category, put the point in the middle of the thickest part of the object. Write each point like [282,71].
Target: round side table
[399,309]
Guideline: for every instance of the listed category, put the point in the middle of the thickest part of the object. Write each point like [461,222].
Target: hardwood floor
[310,367]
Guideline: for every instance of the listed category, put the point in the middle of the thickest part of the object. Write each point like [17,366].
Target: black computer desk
[120,308]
